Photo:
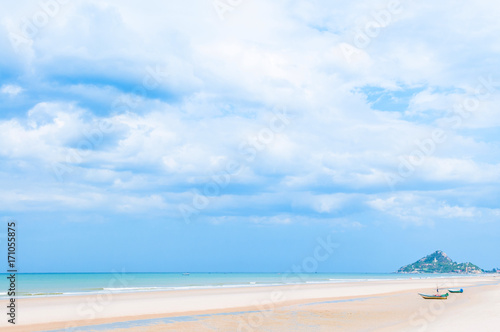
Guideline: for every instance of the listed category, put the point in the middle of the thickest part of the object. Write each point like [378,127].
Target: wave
[287,280]
[117,289]
[112,290]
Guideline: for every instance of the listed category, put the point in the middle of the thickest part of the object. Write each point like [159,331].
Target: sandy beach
[379,305]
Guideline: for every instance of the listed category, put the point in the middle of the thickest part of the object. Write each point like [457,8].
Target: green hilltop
[439,262]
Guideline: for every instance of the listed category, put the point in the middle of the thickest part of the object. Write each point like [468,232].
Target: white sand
[472,308]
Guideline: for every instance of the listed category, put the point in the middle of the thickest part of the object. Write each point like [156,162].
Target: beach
[382,305]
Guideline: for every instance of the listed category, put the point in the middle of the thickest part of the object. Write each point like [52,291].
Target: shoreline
[148,289]
[60,312]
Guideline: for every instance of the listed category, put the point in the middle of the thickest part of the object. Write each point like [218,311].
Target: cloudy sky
[223,135]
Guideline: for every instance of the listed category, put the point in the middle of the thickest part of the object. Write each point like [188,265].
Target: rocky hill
[439,262]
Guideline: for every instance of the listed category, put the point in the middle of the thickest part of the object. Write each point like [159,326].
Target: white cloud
[427,208]
[458,212]
[11,89]
[459,170]
[383,204]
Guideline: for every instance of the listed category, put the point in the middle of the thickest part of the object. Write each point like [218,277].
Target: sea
[29,285]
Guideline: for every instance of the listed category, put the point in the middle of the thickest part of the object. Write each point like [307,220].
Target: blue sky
[180,136]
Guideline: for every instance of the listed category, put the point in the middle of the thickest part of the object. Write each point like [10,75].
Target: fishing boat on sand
[434,297]
[456,290]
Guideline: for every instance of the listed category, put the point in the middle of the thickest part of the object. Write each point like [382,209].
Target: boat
[185,274]
[456,290]
[434,297]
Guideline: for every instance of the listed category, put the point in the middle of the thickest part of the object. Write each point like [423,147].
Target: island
[439,262]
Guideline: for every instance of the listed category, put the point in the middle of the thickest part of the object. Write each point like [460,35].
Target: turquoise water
[60,284]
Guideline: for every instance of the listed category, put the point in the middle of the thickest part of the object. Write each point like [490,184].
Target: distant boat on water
[185,274]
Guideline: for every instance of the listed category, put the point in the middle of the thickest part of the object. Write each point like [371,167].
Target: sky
[247,136]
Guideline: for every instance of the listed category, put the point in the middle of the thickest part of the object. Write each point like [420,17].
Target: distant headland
[439,262]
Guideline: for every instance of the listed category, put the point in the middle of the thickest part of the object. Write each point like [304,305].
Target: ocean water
[63,284]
